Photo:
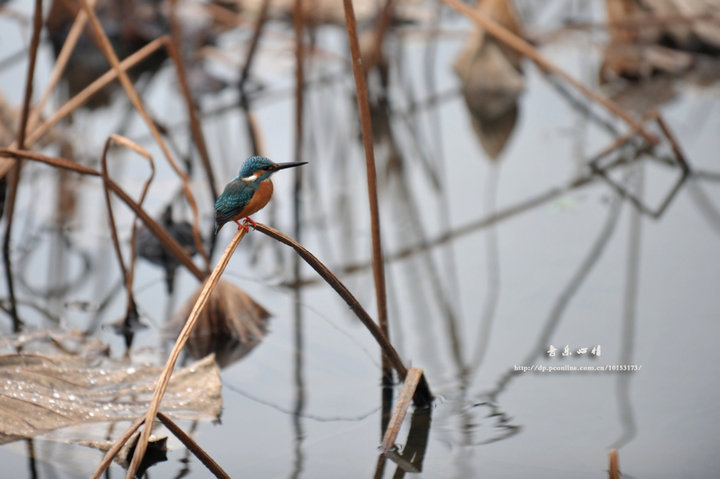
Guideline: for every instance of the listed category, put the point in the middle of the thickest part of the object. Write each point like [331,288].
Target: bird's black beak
[290,164]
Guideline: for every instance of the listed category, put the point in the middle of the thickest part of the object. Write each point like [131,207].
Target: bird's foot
[242,226]
[250,221]
[246,224]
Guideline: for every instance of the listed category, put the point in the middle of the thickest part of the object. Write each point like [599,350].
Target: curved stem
[127,271]
[423,396]
[160,233]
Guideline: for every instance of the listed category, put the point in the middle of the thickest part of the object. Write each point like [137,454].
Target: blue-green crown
[253,164]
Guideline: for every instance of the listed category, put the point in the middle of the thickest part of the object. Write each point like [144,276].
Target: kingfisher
[248,192]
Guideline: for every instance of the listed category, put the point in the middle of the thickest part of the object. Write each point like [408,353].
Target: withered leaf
[230,325]
[39,393]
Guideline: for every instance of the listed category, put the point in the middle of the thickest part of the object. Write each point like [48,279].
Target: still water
[492,260]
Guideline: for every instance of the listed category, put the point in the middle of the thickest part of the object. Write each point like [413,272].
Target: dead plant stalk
[127,271]
[160,233]
[59,66]
[193,446]
[423,396]
[175,53]
[183,337]
[14,179]
[115,449]
[366,125]
[110,55]
[401,407]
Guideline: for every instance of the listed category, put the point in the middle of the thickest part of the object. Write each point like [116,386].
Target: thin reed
[183,337]
[367,139]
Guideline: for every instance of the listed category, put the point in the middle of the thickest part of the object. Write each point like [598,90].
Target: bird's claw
[250,221]
[246,224]
[242,226]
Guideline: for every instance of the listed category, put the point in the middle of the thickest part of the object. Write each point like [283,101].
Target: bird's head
[258,168]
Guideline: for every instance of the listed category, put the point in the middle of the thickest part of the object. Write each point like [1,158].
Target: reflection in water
[58,240]
[151,249]
[628,332]
[566,295]
[187,456]
[299,408]
[424,266]
[633,185]
[449,261]
[298,183]
[477,423]
[398,188]
[492,79]
[502,423]
[447,237]
[291,412]
[492,255]
[643,152]
[704,205]
[32,468]
[410,458]
[230,325]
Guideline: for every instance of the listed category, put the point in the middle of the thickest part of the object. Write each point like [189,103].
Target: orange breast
[259,199]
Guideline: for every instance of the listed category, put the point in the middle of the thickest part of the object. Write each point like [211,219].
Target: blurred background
[519,216]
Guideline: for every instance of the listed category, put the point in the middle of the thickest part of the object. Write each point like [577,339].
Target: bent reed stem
[423,396]
[183,337]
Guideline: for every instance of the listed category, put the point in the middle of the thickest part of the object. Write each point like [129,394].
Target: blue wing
[233,199]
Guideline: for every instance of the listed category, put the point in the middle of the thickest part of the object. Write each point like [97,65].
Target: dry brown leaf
[230,325]
[689,31]
[638,45]
[39,394]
